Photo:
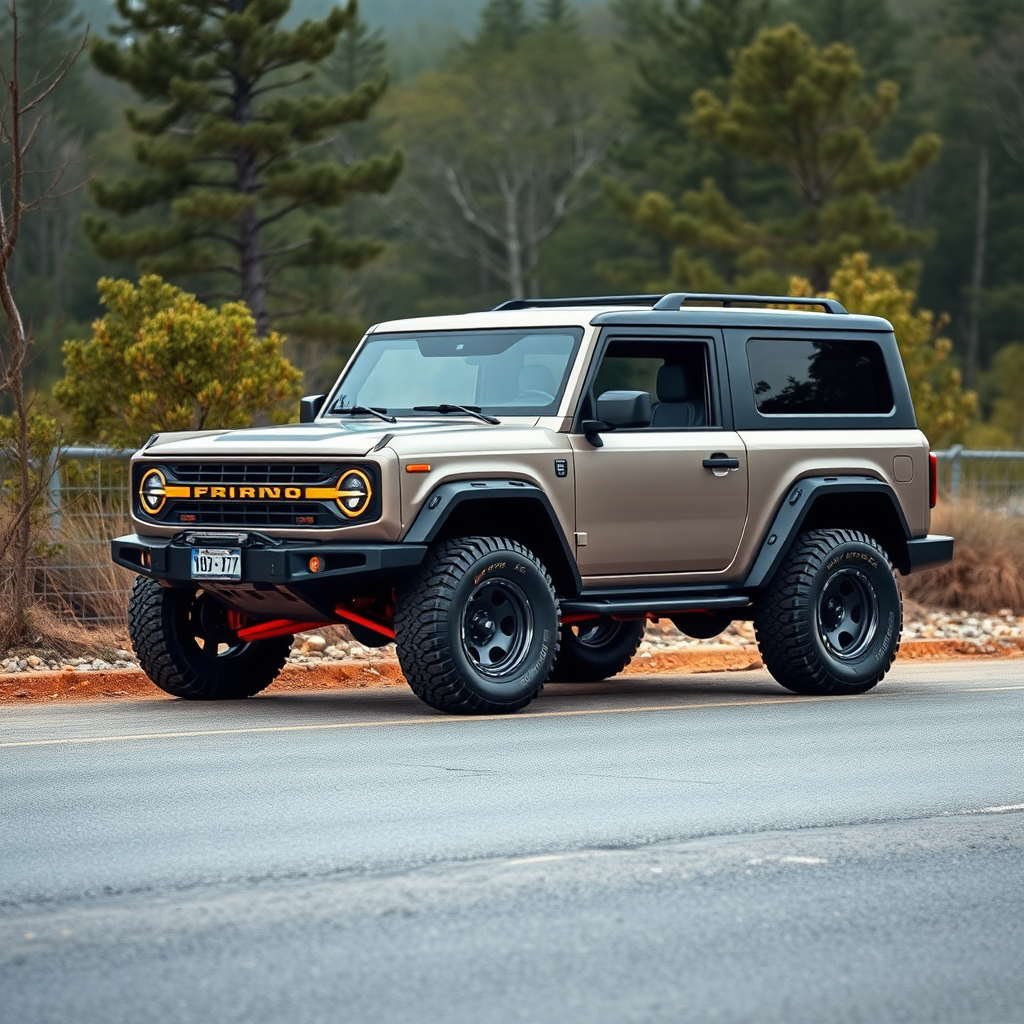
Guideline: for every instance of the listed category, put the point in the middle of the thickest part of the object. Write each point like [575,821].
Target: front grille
[276,494]
[253,472]
[251,514]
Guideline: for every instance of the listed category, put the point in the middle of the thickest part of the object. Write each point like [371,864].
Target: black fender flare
[793,511]
[447,497]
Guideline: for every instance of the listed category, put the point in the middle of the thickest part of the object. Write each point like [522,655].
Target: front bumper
[929,552]
[266,561]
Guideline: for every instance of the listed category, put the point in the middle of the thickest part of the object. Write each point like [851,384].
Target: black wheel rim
[595,634]
[497,627]
[847,614]
[206,622]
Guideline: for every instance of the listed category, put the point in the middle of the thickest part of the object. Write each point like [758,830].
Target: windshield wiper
[363,410]
[469,410]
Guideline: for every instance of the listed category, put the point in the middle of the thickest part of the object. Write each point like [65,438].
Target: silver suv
[511,495]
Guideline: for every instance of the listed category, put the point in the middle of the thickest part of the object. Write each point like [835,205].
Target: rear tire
[593,651]
[185,645]
[830,620]
[477,629]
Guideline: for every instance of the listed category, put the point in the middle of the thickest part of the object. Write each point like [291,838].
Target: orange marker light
[418,467]
[315,564]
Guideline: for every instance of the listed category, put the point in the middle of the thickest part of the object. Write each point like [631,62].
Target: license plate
[216,563]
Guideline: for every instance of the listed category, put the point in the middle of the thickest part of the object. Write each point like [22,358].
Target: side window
[673,373]
[816,378]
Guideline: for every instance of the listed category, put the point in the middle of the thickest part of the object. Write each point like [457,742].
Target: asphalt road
[705,849]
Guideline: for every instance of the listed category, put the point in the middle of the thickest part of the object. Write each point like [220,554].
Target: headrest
[537,377]
[674,384]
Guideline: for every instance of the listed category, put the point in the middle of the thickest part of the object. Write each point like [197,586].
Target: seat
[680,398]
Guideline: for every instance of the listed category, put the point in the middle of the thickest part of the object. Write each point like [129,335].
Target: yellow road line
[781,701]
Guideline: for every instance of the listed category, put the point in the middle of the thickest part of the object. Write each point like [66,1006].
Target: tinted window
[819,377]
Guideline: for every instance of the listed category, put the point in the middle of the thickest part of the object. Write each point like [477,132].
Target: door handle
[721,462]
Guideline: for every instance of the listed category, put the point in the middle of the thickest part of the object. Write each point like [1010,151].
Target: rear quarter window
[818,378]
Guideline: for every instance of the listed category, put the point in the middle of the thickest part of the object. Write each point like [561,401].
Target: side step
[656,605]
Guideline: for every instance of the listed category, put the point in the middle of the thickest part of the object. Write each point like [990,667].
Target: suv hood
[316,440]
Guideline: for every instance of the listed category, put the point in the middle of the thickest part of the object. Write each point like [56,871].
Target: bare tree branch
[16,539]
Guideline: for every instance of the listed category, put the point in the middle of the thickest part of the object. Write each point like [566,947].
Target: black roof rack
[676,300]
[583,300]
[673,301]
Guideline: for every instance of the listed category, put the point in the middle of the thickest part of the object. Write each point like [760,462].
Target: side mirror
[617,409]
[625,408]
[310,406]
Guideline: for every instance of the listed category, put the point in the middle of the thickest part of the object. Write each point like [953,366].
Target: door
[670,497]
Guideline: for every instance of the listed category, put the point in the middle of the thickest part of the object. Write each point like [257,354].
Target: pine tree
[804,110]
[224,140]
[559,14]
[867,26]
[360,56]
[503,24]
[682,47]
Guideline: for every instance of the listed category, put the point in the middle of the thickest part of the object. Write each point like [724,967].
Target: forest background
[551,148]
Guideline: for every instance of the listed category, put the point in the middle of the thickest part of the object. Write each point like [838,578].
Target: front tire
[592,651]
[830,620]
[477,629]
[185,645]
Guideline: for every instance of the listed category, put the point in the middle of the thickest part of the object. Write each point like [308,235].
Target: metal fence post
[53,496]
[954,455]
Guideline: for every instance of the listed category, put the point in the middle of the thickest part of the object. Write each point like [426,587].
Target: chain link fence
[992,479]
[88,503]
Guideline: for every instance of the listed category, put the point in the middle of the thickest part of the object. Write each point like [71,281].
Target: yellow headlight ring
[341,495]
[161,492]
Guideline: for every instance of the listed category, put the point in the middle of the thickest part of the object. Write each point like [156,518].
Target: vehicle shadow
[398,703]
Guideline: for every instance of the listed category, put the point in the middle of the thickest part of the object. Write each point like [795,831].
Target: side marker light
[418,467]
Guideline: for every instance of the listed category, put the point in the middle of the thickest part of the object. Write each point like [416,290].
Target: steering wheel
[535,397]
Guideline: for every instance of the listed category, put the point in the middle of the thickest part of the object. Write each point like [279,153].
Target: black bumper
[277,564]
[929,552]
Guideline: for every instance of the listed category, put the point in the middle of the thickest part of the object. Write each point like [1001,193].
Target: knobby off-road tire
[477,629]
[593,651]
[830,620]
[186,647]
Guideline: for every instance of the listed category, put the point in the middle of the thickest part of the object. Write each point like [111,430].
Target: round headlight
[153,491]
[354,493]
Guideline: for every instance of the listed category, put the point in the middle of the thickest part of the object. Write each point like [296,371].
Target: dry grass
[53,634]
[80,596]
[80,580]
[987,572]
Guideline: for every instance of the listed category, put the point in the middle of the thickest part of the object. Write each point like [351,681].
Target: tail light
[933,480]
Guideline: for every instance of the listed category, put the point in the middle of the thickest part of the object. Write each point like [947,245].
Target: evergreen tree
[983,20]
[360,56]
[866,26]
[223,138]
[804,110]
[679,48]
[560,14]
[503,24]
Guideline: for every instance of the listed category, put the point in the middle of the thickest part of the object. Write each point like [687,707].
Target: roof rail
[584,300]
[676,300]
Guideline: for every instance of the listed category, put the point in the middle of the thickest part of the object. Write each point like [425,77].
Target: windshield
[511,372]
